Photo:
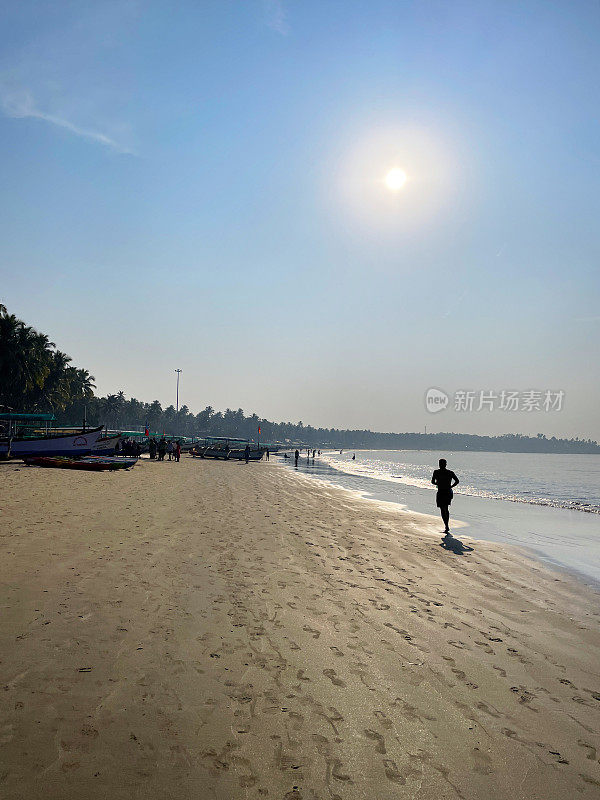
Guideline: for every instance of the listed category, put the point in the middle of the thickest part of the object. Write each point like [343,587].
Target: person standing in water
[296,456]
[445,480]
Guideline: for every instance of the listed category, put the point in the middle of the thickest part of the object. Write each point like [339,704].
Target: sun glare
[395,179]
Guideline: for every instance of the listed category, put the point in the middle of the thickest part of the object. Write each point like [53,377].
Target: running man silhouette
[445,480]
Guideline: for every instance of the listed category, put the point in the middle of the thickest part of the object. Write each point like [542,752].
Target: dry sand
[216,630]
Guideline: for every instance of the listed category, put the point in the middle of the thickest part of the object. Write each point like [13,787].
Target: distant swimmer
[354,457]
[445,480]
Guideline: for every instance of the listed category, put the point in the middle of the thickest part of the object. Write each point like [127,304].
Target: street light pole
[178,371]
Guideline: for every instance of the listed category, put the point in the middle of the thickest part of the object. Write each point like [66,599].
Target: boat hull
[232,455]
[105,446]
[90,463]
[72,444]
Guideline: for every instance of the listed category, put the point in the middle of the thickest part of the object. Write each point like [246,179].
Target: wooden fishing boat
[91,463]
[106,445]
[78,442]
[228,449]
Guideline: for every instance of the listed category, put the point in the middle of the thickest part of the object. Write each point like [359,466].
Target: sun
[395,179]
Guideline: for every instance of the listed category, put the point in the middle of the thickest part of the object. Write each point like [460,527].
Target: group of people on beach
[315,453]
[164,448]
[128,447]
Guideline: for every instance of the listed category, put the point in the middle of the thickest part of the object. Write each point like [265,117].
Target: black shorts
[443,498]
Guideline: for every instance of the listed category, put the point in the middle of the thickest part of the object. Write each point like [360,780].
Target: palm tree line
[36,376]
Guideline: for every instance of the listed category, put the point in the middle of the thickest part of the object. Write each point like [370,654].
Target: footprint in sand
[392,773]
[515,654]
[322,743]
[315,633]
[595,695]
[412,713]
[376,737]
[559,759]
[589,779]
[383,720]
[510,734]
[379,605]
[332,675]
[482,763]
[337,717]
[297,720]
[490,710]
[591,750]
[334,767]
[335,714]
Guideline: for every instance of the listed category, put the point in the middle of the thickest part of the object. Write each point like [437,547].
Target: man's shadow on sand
[455,545]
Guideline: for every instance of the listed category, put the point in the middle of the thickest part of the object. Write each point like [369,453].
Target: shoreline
[227,631]
[532,528]
[467,491]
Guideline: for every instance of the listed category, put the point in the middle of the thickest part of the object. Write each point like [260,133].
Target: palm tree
[25,360]
[112,406]
[55,390]
[154,415]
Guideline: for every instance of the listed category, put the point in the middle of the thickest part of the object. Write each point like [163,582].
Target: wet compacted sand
[216,630]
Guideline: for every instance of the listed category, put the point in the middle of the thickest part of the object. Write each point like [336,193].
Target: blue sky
[200,185]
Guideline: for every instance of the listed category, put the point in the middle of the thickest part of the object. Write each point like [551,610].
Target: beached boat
[31,435]
[106,445]
[227,449]
[91,463]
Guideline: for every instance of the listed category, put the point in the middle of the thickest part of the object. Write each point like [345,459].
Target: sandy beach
[216,630]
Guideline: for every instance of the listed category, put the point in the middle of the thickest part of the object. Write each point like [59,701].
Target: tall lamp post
[178,371]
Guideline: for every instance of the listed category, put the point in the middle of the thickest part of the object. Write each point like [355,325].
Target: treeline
[36,376]
[118,413]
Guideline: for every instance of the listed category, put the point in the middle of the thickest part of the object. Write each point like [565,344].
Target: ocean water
[549,479]
[546,503]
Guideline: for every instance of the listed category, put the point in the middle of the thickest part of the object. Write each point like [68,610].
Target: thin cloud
[276,16]
[20,105]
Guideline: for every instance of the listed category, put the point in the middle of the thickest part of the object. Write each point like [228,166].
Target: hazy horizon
[207,187]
